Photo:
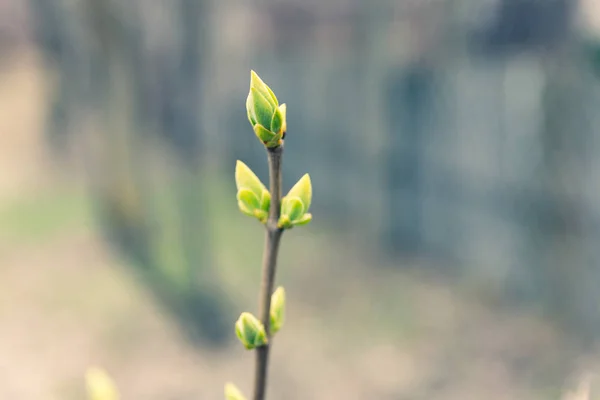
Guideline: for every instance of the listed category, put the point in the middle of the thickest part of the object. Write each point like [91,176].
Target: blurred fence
[465,130]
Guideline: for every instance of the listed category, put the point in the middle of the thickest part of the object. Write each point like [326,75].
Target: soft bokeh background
[454,147]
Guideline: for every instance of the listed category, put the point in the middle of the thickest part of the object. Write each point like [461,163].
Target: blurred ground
[67,303]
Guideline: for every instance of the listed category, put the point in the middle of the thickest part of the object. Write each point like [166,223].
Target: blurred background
[454,147]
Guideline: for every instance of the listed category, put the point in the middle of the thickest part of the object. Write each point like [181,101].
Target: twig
[272,239]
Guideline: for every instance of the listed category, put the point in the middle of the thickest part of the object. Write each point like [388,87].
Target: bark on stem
[272,239]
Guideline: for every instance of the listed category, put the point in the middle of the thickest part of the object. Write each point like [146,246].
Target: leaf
[303,190]
[246,179]
[249,199]
[262,87]
[292,207]
[243,333]
[277,121]
[265,135]
[239,332]
[250,110]
[272,95]
[283,110]
[263,110]
[244,209]
[306,218]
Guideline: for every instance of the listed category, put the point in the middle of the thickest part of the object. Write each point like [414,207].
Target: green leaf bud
[253,197]
[265,114]
[250,331]
[303,190]
[277,312]
[295,205]
[292,207]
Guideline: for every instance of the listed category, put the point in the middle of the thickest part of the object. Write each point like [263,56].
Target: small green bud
[253,197]
[277,309]
[99,385]
[250,331]
[232,392]
[295,205]
[265,114]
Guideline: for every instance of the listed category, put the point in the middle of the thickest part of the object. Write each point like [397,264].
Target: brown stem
[272,239]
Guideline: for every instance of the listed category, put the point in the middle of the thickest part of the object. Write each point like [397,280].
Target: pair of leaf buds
[255,200]
[251,331]
[253,197]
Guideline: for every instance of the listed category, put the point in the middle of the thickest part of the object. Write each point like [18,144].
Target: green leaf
[277,121]
[239,332]
[257,83]
[265,135]
[306,218]
[272,96]
[277,312]
[283,110]
[263,110]
[303,190]
[250,110]
[243,208]
[246,179]
[292,207]
[249,199]
[232,392]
